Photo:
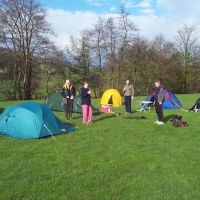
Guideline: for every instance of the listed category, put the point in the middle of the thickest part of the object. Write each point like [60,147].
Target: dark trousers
[128,103]
[69,108]
[159,112]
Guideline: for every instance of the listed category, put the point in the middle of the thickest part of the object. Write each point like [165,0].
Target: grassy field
[115,158]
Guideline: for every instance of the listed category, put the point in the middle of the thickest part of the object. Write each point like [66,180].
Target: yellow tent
[111,97]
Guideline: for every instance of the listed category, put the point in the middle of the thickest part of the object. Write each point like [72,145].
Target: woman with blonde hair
[68,93]
[86,104]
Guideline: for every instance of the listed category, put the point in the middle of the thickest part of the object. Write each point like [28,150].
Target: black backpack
[177,122]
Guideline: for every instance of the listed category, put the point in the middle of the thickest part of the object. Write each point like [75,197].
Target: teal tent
[31,120]
[54,102]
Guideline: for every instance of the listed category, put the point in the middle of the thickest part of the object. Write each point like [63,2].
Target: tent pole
[49,132]
[3,121]
[180,107]
[50,105]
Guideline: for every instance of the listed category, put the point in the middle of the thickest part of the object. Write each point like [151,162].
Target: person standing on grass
[68,93]
[158,102]
[128,95]
[86,104]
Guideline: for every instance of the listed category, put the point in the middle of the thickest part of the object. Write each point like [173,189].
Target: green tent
[54,102]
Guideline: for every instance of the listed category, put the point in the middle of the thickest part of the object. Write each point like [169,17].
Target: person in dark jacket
[68,93]
[128,95]
[158,102]
[86,104]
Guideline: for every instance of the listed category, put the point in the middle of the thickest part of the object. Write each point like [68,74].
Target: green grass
[115,158]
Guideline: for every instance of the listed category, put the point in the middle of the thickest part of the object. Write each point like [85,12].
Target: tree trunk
[28,86]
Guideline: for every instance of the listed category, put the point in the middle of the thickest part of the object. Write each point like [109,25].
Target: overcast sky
[69,17]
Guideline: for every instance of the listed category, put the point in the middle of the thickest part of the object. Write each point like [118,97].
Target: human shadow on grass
[77,116]
[133,112]
[104,117]
[169,117]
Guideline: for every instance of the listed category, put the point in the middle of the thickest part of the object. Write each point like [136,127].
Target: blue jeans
[128,104]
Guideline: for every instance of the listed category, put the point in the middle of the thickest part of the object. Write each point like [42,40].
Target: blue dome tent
[170,101]
[31,120]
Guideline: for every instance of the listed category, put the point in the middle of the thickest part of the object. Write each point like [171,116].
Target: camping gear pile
[55,103]
[110,97]
[31,120]
[178,122]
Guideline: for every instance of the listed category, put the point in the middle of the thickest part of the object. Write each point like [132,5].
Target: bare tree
[97,43]
[186,42]
[25,32]
[79,53]
[127,34]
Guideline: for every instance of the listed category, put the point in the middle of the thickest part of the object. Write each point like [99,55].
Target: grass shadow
[135,117]
[133,112]
[104,117]
[76,116]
